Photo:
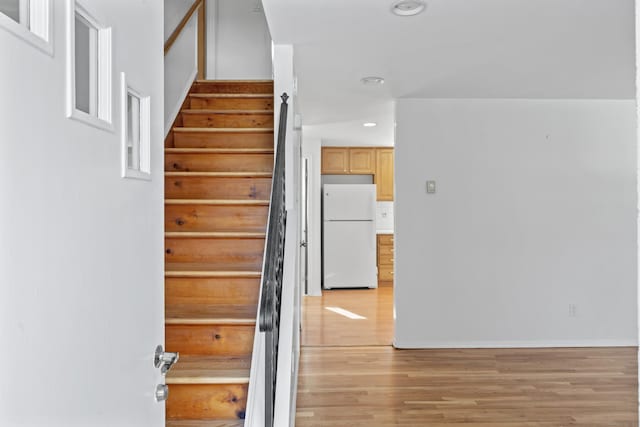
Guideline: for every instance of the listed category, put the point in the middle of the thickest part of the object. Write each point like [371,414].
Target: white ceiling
[456,49]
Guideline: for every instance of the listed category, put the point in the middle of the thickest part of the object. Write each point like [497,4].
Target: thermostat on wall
[431,187]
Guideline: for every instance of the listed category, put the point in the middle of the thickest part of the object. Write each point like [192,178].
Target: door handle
[164,360]
[303,244]
[162,392]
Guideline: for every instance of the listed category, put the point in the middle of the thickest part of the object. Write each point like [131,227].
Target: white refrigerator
[349,236]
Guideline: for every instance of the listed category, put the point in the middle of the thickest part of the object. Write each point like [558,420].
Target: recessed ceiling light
[372,80]
[369,124]
[408,7]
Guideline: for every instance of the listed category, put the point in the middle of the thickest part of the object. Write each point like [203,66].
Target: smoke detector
[372,80]
[408,7]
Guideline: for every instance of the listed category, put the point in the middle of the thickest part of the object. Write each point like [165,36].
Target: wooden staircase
[218,167]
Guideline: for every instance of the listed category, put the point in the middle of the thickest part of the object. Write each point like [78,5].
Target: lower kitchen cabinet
[386,257]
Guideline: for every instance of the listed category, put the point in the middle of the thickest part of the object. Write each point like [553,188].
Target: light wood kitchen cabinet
[386,257]
[384,174]
[362,161]
[335,160]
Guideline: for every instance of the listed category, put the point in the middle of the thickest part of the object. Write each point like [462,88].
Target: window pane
[83,65]
[11,8]
[133,132]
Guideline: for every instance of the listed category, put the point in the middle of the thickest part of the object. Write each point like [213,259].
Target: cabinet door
[362,160]
[384,173]
[335,160]
[385,273]
[385,239]
[386,258]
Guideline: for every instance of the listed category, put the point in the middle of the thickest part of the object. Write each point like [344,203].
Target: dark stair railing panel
[273,268]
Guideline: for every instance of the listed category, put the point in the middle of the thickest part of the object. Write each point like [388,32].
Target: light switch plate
[431,187]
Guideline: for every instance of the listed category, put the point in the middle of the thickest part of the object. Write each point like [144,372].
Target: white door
[304,226]
[81,249]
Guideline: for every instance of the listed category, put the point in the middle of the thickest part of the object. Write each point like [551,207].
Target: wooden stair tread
[195,266]
[220,174]
[218,150]
[185,269]
[208,314]
[210,111]
[205,423]
[232,95]
[221,202]
[239,232]
[210,370]
[229,234]
[205,81]
[219,161]
[181,129]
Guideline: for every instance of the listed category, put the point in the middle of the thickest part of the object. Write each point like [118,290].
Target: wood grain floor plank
[342,383]
[321,326]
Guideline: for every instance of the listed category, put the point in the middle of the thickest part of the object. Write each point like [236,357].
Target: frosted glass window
[133,132]
[11,8]
[136,133]
[89,97]
[29,20]
[86,46]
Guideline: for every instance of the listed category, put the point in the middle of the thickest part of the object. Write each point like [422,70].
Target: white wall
[535,210]
[384,217]
[81,259]
[241,43]
[174,11]
[180,69]
[212,29]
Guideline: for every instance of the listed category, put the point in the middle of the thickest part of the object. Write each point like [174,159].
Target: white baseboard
[176,108]
[314,293]
[516,344]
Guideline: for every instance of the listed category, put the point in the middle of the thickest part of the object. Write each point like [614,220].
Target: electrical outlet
[573,310]
[431,187]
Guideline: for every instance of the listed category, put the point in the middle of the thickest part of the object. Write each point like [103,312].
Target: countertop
[384,231]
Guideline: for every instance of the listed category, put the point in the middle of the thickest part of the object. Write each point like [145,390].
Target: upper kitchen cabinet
[362,161]
[345,160]
[335,160]
[384,174]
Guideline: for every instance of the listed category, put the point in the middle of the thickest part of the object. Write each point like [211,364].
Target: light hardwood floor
[350,376]
[321,326]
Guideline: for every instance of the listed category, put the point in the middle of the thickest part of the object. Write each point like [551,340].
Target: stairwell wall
[174,11]
[180,68]
[289,341]
[289,344]
[238,41]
